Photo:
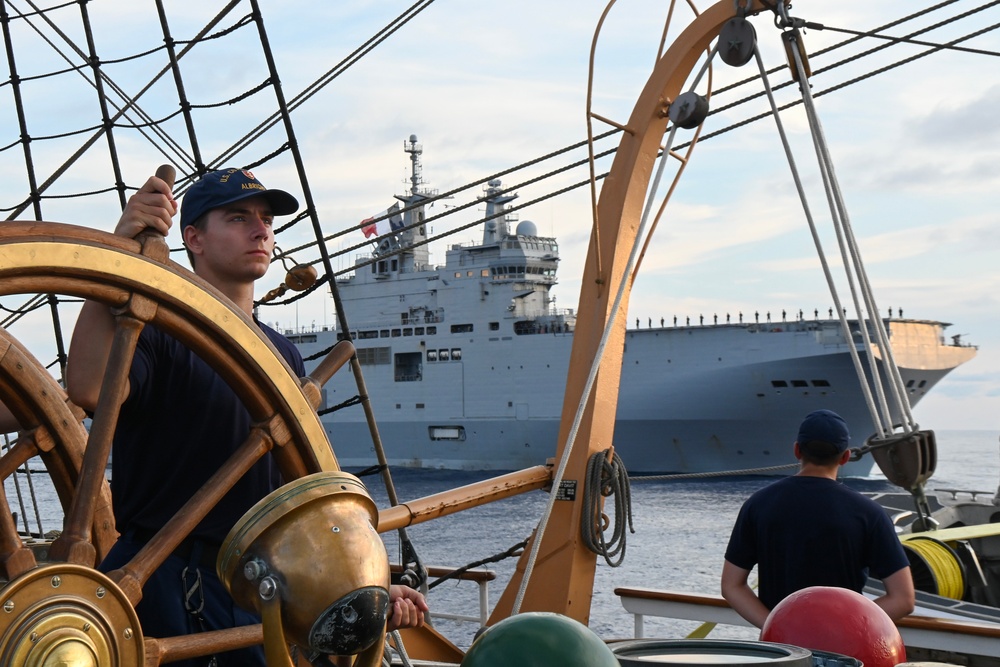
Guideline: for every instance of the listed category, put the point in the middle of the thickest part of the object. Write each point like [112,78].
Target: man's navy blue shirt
[813,531]
[179,425]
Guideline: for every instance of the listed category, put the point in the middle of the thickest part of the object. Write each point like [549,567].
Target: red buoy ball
[837,620]
[539,639]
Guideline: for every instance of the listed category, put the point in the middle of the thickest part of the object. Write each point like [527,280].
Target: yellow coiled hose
[943,564]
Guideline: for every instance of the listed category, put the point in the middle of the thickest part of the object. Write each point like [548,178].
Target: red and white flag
[388,224]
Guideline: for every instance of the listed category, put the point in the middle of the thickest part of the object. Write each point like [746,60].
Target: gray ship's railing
[975,494]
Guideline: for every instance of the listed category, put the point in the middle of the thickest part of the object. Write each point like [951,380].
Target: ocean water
[682,528]
[681,532]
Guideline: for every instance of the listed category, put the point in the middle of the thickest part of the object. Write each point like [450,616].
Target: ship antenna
[416,168]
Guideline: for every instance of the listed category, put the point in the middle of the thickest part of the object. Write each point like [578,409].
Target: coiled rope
[943,565]
[397,647]
[606,478]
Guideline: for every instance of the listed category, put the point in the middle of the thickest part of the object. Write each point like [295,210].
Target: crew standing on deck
[811,530]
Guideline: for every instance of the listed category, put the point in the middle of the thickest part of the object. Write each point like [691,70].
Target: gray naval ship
[466,363]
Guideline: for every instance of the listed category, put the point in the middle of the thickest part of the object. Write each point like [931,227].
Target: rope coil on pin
[606,476]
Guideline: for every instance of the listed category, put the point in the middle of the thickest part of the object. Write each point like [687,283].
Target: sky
[488,86]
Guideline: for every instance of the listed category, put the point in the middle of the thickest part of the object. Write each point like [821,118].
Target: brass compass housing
[308,558]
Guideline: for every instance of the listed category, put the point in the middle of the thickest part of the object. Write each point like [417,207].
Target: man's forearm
[89,350]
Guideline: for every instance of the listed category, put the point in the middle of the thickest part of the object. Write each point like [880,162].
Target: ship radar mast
[416,168]
[497,220]
[414,255]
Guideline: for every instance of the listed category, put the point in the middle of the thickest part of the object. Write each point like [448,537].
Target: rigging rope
[512,552]
[845,240]
[719,473]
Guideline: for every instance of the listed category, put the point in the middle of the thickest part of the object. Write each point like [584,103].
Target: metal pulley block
[793,42]
[737,40]
[689,110]
[906,459]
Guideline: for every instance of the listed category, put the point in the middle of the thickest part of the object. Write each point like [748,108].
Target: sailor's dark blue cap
[825,426]
[223,187]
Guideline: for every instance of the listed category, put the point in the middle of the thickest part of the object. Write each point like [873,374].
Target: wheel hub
[63,615]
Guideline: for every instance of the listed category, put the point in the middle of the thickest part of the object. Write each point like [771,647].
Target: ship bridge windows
[799,383]
[408,367]
[461,328]
[820,383]
[396,333]
[383,333]
[778,383]
[509,272]
[367,334]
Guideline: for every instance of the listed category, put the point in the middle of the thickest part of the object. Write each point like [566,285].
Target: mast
[415,255]
[496,226]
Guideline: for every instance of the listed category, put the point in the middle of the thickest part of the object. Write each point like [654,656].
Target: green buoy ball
[539,639]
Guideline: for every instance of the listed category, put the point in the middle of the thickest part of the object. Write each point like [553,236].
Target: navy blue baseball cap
[825,426]
[223,187]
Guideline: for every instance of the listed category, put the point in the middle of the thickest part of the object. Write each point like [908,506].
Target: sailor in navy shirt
[811,530]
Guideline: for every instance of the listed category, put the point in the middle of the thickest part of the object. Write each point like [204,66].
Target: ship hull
[711,399]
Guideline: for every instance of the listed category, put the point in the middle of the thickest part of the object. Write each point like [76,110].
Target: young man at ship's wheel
[180,421]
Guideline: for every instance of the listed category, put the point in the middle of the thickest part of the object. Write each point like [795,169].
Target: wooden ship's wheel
[56,607]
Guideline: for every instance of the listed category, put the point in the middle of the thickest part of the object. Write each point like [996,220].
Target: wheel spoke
[133,576]
[203,643]
[51,428]
[15,557]
[74,545]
